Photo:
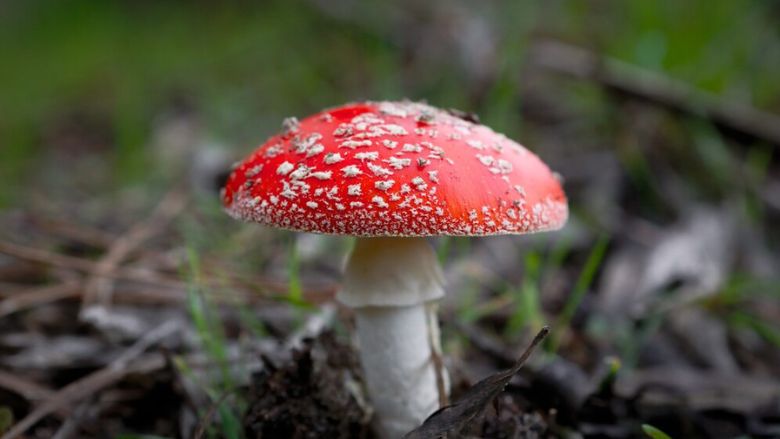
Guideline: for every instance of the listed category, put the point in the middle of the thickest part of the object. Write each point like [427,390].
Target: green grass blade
[584,281]
[654,433]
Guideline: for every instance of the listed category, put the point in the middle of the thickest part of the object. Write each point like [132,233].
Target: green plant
[6,418]
[210,332]
[528,313]
[654,433]
[584,281]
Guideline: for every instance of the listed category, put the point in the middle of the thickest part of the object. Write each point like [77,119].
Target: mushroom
[391,174]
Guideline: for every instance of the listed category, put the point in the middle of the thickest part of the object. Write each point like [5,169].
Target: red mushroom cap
[395,169]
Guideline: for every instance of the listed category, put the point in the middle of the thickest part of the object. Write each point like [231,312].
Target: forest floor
[142,311]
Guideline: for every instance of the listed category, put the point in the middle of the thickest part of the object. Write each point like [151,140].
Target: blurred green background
[101,74]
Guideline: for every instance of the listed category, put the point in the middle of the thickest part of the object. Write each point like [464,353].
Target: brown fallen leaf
[453,418]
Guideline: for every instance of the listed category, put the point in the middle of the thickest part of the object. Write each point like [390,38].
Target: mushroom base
[393,284]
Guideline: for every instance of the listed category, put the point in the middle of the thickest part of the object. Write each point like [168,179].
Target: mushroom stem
[392,285]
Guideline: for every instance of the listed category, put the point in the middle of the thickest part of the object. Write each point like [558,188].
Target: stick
[657,88]
[87,386]
[99,286]
[206,420]
[72,423]
[77,232]
[85,265]
[30,390]
[38,296]
[149,277]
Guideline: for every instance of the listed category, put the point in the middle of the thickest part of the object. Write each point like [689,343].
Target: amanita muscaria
[391,174]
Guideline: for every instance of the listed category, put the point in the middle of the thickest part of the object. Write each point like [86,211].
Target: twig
[77,232]
[657,88]
[150,338]
[30,390]
[15,301]
[128,362]
[81,388]
[10,289]
[86,410]
[85,265]
[99,286]
[206,419]
[316,294]
[38,296]
[16,270]
[166,296]
[146,276]
[45,257]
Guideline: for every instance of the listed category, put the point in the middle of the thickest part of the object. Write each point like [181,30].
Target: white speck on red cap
[444,176]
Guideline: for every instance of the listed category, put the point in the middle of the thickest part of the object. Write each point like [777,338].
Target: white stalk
[392,285]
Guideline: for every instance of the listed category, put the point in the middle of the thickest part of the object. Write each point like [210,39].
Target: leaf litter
[686,298]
